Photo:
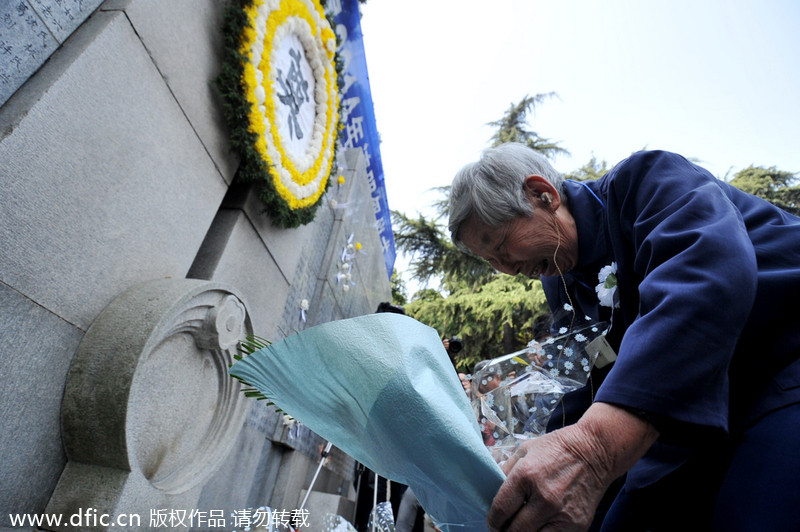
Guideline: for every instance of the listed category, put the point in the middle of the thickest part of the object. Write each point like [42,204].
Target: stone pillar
[149,410]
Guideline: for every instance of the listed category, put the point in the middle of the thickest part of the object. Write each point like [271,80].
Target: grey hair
[493,188]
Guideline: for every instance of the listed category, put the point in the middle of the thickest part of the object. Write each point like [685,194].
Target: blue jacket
[708,328]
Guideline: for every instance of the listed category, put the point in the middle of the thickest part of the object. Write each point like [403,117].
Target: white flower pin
[607,288]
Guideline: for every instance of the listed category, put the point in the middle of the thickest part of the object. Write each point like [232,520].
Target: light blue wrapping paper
[381,388]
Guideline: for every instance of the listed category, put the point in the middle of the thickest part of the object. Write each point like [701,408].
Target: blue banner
[358,116]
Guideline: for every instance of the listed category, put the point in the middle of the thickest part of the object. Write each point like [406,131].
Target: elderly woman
[700,413]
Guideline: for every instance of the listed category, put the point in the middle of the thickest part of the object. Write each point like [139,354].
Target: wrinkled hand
[555,481]
[550,483]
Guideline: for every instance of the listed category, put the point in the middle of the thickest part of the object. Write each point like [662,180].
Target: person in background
[453,346]
[410,514]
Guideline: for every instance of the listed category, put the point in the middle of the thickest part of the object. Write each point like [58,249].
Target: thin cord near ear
[572,321]
[561,274]
[572,306]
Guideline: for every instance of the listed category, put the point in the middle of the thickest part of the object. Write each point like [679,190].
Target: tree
[478,316]
[512,127]
[433,255]
[776,186]
[399,291]
[589,171]
[493,313]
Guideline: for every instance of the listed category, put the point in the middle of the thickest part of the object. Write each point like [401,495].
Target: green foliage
[433,255]
[513,127]
[399,291]
[493,313]
[771,184]
[482,315]
[590,171]
[441,205]
[248,346]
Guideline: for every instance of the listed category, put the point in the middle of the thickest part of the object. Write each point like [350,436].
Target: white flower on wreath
[607,288]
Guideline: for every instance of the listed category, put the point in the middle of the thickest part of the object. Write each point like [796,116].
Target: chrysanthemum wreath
[281,97]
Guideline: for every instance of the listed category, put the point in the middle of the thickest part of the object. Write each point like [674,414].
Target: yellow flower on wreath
[300,183]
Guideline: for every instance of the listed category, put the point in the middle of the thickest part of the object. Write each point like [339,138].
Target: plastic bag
[514,395]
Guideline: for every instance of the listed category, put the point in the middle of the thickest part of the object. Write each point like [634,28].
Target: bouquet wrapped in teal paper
[382,388]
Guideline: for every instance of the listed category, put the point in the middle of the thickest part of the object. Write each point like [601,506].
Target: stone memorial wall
[30,31]
[131,261]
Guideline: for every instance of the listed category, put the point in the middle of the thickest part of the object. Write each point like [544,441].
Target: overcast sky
[714,80]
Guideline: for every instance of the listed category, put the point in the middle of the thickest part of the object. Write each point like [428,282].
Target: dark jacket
[708,327]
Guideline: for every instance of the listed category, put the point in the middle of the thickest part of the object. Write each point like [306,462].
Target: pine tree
[513,127]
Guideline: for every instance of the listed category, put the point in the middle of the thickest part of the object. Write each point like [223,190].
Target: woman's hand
[555,481]
[551,485]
